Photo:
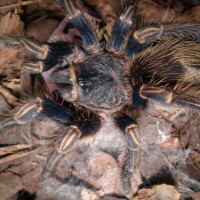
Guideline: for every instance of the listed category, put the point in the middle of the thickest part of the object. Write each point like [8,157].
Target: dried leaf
[41,28]
[11,24]
[8,187]
[10,62]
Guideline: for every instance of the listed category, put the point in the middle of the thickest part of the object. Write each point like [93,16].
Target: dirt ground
[92,170]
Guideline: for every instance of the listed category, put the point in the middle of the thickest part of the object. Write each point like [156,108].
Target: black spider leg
[90,41]
[84,125]
[133,47]
[37,106]
[59,51]
[49,57]
[78,125]
[122,29]
[167,97]
[131,155]
[144,36]
[187,29]
[43,56]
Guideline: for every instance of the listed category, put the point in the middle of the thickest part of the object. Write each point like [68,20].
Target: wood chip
[14,157]
[10,23]
[10,184]
[13,148]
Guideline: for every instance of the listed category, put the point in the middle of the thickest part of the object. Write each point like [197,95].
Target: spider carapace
[153,63]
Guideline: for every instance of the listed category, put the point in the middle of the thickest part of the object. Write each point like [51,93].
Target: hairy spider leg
[84,126]
[43,56]
[51,54]
[78,125]
[90,41]
[186,29]
[131,154]
[171,63]
[63,145]
[167,97]
[59,51]
[142,37]
[121,30]
[133,47]
[37,106]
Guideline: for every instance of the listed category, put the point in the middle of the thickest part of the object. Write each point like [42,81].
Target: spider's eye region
[81,82]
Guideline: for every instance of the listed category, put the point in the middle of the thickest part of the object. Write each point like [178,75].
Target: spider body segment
[134,67]
[98,83]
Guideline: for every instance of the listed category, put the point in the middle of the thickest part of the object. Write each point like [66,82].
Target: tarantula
[157,63]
